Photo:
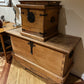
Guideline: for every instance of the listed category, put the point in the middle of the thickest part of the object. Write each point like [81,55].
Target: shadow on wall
[71,22]
[62,21]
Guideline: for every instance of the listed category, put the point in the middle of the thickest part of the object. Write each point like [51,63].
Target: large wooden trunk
[47,63]
[51,60]
[39,19]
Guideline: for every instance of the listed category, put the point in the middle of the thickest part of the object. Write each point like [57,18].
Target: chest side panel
[51,21]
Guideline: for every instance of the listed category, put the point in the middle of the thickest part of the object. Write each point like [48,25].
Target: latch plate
[31,46]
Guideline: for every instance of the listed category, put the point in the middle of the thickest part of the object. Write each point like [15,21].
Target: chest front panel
[47,58]
[37,24]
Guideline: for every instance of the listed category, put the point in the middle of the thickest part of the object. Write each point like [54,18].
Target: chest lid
[38,4]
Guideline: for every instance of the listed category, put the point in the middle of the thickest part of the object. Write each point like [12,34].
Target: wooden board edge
[39,38]
[5,73]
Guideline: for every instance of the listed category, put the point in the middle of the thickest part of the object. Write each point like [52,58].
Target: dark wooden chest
[39,19]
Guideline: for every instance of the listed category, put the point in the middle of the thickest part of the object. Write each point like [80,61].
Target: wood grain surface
[45,18]
[4,71]
[2,63]
[18,75]
[7,26]
[60,42]
[42,56]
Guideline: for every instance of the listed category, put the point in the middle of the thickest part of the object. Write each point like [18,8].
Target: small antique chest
[39,19]
[51,60]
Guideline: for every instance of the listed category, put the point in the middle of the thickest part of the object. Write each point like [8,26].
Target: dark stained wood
[79,82]
[27,77]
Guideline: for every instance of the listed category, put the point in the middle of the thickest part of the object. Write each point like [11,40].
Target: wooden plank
[18,75]
[38,37]
[31,7]
[2,63]
[4,74]
[43,2]
[7,26]
[61,43]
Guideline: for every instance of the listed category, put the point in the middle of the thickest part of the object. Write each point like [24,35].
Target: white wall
[71,22]
[9,13]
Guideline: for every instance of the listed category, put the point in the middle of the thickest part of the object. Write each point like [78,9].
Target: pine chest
[51,60]
[39,19]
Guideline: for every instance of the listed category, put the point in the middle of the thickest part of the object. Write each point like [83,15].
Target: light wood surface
[7,26]
[2,63]
[42,56]
[47,61]
[37,36]
[18,75]
[61,43]
[40,2]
